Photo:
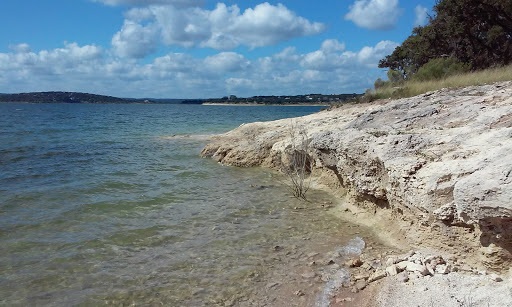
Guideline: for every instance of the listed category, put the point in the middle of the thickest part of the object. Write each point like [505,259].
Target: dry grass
[413,88]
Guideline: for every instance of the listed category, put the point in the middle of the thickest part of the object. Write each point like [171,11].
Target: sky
[200,48]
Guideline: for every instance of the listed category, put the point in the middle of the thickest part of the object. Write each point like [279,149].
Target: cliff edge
[437,168]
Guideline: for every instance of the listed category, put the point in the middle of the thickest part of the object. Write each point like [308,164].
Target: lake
[100,204]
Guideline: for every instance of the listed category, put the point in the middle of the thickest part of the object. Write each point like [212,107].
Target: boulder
[378,274]
[361,284]
[443,269]
[392,270]
[402,265]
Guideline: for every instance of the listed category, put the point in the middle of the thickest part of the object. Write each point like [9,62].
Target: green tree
[476,32]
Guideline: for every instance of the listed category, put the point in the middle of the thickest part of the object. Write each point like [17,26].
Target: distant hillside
[74,97]
[66,97]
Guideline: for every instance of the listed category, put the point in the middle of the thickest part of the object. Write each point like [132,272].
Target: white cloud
[237,84]
[135,40]
[374,14]
[139,14]
[226,62]
[21,48]
[329,58]
[72,61]
[173,63]
[268,25]
[421,15]
[332,45]
[370,56]
[330,69]
[186,27]
[222,28]
[177,3]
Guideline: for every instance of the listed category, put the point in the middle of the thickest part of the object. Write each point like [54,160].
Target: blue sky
[198,48]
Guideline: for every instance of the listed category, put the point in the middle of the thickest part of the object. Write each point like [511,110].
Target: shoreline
[405,167]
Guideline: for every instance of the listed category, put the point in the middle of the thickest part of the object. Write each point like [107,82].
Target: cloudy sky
[200,48]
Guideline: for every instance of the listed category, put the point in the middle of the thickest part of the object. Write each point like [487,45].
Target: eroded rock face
[444,158]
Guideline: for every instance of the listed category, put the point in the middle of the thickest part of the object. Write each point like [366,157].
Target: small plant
[467,301]
[395,77]
[378,133]
[300,162]
[437,69]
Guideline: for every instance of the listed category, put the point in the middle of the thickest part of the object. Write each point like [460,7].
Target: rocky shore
[428,172]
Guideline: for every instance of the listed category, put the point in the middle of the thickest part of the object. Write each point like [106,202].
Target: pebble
[308,275]
[495,278]
[414,267]
[354,263]
[361,284]
[431,268]
[346,299]
[392,270]
[366,266]
[299,293]
[466,267]
[390,261]
[376,264]
[403,277]
[377,275]
[402,265]
[361,276]
[443,269]
[272,285]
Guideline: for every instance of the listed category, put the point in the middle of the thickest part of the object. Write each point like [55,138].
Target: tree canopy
[475,32]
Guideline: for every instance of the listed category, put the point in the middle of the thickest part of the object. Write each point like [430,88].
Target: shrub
[379,83]
[395,76]
[300,162]
[440,68]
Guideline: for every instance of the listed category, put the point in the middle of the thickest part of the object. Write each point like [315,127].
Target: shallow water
[99,205]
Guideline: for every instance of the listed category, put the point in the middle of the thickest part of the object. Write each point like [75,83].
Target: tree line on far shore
[319,99]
